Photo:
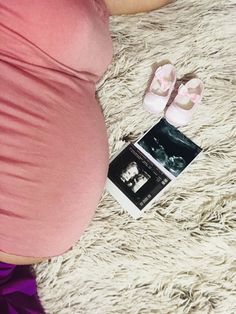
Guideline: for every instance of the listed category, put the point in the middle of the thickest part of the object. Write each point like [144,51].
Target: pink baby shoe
[189,96]
[160,89]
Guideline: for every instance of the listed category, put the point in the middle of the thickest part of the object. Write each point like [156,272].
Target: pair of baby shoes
[189,96]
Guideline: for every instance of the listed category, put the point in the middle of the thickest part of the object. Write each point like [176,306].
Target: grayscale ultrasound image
[171,148]
[136,176]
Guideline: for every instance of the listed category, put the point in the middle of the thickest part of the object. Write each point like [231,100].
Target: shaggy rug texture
[180,257]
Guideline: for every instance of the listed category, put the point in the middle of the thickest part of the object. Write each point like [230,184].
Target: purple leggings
[18,290]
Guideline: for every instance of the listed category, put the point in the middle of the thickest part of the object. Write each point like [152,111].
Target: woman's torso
[53,141]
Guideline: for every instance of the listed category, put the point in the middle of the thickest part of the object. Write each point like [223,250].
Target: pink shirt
[53,140]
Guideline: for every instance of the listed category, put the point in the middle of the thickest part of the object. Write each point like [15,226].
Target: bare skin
[20,260]
[115,7]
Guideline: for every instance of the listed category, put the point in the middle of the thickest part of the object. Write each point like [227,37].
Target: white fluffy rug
[181,256]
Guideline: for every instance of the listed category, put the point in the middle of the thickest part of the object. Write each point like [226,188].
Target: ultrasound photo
[171,148]
[136,176]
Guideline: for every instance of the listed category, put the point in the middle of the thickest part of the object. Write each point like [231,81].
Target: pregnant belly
[53,163]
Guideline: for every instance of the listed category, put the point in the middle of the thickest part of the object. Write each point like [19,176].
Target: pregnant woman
[53,140]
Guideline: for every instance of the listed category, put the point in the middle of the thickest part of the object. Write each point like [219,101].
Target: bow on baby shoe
[184,92]
[180,111]
[161,83]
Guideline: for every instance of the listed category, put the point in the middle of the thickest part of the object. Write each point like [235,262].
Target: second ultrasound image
[169,147]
